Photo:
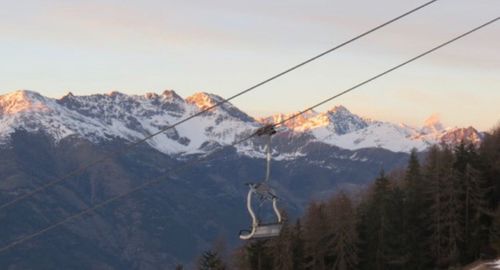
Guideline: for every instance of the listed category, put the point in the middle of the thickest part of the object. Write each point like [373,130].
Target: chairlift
[260,230]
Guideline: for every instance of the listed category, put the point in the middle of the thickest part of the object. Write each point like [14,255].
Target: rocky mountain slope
[344,129]
[115,115]
[103,117]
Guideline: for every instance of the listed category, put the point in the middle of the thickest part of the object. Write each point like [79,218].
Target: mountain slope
[164,224]
[171,222]
[103,117]
[115,115]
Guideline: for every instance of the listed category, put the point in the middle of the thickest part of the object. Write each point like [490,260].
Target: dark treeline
[439,213]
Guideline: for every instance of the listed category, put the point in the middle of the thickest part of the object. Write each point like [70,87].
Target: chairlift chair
[258,229]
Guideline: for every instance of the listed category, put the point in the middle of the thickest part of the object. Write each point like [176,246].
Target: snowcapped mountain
[131,117]
[116,115]
[344,129]
[32,112]
[337,120]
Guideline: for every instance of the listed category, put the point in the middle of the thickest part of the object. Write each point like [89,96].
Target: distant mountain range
[106,116]
[42,139]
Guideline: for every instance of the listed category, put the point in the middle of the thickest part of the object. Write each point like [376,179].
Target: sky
[225,46]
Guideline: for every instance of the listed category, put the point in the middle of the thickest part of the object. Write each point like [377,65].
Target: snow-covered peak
[338,120]
[203,100]
[339,109]
[432,125]
[341,113]
[455,136]
[171,95]
[343,121]
[21,101]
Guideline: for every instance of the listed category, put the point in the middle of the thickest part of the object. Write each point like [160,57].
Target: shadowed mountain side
[163,224]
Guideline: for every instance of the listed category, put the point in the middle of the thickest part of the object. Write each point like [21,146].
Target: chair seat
[267,230]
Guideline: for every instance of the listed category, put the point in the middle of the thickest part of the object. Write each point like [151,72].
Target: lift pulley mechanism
[266,193]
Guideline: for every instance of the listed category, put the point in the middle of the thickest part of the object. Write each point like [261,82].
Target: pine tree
[462,159]
[345,236]
[373,226]
[315,237]
[281,248]
[489,154]
[475,201]
[415,223]
[489,166]
[495,231]
[452,221]
[435,176]
[298,247]
[241,259]
[445,207]
[478,214]
[210,260]
[259,255]
[396,242]
[381,227]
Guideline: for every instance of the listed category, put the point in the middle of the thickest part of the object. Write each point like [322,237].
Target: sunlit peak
[433,124]
[20,101]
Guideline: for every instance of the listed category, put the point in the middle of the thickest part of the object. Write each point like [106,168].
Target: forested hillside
[441,212]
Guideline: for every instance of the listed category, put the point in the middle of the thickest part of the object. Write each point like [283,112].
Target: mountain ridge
[100,117]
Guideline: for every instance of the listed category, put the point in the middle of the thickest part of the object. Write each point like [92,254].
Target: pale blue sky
[225,46]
